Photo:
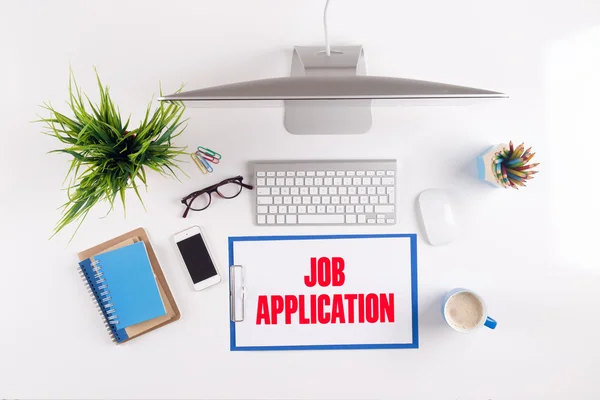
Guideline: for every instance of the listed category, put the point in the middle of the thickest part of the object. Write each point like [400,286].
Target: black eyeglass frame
[189,199]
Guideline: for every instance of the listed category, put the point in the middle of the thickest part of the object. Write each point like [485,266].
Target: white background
[373,265]
[532,255]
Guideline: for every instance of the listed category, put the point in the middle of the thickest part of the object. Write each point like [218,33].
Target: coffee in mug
[465,311]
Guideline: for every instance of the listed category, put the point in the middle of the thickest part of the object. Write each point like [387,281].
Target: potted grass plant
[109,156]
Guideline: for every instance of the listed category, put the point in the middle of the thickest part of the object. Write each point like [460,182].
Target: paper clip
[208,157]
[199,163]
[206,164]
[209,152]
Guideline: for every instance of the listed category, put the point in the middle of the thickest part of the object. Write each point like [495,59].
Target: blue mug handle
[490,323]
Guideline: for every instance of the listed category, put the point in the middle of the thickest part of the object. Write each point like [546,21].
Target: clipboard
[264,269]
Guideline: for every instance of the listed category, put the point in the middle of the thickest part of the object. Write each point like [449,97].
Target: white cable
[327,47]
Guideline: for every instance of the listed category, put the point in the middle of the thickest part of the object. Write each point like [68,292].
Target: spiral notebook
[172,312]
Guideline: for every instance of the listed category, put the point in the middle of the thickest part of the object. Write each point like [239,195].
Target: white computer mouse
[437,217]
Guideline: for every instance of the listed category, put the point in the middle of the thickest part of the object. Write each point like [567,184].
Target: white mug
[484,319]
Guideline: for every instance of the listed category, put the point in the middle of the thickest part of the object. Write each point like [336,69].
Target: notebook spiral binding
[101,297]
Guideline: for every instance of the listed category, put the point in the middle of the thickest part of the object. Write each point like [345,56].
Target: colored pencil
[511,167]
[510,145]
[516,173]
[526,167]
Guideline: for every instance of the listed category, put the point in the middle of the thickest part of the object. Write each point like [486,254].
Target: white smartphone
[196,257]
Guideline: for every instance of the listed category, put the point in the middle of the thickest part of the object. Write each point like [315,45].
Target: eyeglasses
[227,189]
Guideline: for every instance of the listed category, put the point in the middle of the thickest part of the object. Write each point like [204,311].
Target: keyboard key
[387,181]
[364,199]
[326,200]
[330,173]
[376,181]
[383,199]
[310,173]
[264,200]
[289,181]
[360,173]
[339,209]
[323,190]
[347,181]
[261,209]
[371,190]
[335,199]
[339,173]
[379,216]
[321,219]
[281,219]
[292,209]
[390,173]
[350,209]
[275,191]
[278,200]
[333,190]
[316,200]
[263,191]
[270,181]
[320,173]
[309,181]
[260,182]
[296,200]
[270,219]
[330,209]
[362,190]
[318,181]
[261,173]
[301,209]
[280,173]
[280,181]
[390,220]
[285,191]
[321,209]
[369,209]
[370,173]
[370,221]
[300,173]
[299,182]
[294,191]
[306,200]
[328,181]
[271,173]
[366,181]
[314,190]
[352,190]
[350,219]
[373,199]
[391,198]
[380,173]
[262,219]
[362,219]
[380,190]
[350,173]
[360,209]
[356,181]
[287,200]
[345,200]
[342,190]
[272,209]
[380,221]
[384,209]
[282,209]
[337,181]
[303,190]
[290,219]
[311,209]
[291,173]
[353,199]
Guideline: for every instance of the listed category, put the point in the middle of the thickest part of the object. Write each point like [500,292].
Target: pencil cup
[485,165]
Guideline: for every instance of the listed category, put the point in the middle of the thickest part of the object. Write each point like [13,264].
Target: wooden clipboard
[173,313]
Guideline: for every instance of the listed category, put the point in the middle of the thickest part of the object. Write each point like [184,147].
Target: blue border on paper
[414,294]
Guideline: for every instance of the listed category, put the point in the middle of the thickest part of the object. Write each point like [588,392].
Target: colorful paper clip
[208,157]
[199,163]
[206,164]
[209,152]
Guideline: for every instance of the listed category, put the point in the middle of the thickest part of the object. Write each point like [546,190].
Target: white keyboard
[325,192]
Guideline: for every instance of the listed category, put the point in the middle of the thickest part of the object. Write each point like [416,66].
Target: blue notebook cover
[125,286]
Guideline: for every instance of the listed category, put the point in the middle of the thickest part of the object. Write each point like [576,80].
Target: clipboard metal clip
[237,292]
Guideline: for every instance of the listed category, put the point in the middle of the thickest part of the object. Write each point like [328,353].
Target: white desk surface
[531,254]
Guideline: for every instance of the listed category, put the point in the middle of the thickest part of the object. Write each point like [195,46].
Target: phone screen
[196,258]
